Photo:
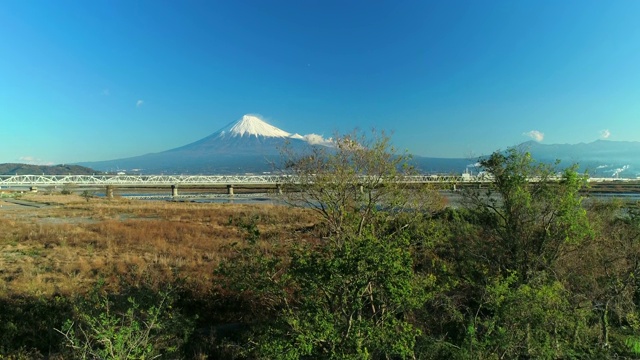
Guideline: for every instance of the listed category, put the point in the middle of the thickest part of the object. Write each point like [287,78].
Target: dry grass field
[57,250]
[66,246]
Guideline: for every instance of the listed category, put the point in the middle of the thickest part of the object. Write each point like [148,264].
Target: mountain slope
[247,145]
[248,136]
[26,169]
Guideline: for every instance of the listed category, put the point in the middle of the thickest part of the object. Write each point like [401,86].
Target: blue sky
[99,80]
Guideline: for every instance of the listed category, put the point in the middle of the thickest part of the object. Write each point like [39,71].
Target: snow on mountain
[252,125]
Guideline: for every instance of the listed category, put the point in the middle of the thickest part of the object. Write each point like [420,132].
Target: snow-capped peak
[252,125]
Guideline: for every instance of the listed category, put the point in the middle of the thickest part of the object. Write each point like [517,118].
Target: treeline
[523,269]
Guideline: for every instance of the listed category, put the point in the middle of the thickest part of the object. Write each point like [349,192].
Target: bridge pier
[230,189]
[109,192]
[454,187]
[33,189]
[174,190]
[279,188]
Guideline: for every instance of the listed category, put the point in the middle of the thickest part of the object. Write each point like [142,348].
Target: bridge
[111,181]
[192,180]
[138,180]
[174,181]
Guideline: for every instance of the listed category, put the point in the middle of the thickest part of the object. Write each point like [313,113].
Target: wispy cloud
[139,103]
[315,139]
[535,135]
[33,160]
[604,134]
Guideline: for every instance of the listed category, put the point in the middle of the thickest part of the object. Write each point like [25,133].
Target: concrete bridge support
[109,192]
[279,189]
[230,189]
[174,190]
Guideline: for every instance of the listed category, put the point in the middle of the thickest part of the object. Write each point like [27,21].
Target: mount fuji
[248,145]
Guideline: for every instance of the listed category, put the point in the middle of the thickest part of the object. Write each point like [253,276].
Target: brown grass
[66,247]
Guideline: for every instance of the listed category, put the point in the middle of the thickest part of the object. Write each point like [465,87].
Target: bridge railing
[205,180]
[150,180]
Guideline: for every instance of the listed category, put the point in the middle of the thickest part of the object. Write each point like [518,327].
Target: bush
[139,323]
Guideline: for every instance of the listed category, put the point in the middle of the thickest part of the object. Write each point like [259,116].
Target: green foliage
[338,299]
[252,277]
[350,300]
[633,343]
[137,324]
[530,214]
[508,296]
[87,195]
[533,320]
[604,272]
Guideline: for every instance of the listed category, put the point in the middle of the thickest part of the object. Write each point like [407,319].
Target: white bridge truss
[194,180]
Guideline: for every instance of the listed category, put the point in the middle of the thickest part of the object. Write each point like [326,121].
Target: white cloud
[604,134]
[139,103]
[33,161]
[535,135]
[315,139]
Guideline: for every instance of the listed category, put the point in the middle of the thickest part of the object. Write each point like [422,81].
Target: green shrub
[136,324]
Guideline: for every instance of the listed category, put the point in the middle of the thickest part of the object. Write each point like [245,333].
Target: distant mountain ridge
[600,158]
[599,149]
[251,145]
[26,169]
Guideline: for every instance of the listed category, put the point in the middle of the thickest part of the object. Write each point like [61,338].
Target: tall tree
[348,183]
[529,212]
[525,220]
